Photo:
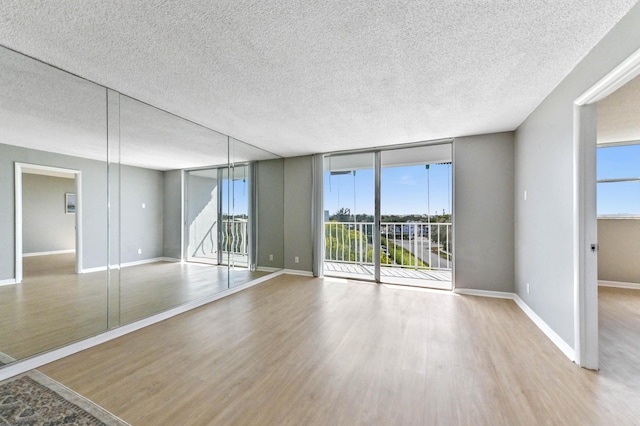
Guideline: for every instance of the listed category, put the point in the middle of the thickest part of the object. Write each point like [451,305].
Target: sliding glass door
[349,215]
[403,238]
[416,220]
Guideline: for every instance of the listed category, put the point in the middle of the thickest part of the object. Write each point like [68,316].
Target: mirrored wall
[112,210]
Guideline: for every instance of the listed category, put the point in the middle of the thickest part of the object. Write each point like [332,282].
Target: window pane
[618,162]
[619,198]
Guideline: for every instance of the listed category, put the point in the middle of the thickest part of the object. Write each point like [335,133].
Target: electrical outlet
[525,195]
[527,288]
[139,251]
[296,259]
[144,206]
[271,257]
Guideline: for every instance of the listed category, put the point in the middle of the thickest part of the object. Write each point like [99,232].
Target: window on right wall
[618,173]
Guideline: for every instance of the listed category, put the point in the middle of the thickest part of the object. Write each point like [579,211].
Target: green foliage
[399,256]
[342,242]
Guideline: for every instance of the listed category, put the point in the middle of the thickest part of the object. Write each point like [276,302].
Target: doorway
[585,218]
[49,222]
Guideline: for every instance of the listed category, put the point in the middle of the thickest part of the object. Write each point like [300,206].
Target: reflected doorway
[48,220]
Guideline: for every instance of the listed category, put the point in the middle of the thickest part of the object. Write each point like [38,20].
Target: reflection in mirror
[105,197]
[172,169]
[158,152]
[247,215]
[53,207]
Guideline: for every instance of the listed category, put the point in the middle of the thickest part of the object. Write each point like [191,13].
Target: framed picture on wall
[70,201]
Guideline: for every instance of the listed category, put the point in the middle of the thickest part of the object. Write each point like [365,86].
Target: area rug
[35,399]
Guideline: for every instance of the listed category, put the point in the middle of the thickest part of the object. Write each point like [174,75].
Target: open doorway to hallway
[618,224]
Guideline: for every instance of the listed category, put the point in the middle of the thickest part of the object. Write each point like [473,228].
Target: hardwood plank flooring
[54,306]
[298,350]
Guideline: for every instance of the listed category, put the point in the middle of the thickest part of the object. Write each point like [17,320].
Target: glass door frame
[318,209]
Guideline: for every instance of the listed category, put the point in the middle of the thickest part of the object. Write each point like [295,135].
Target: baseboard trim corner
[566,349]
[8,282]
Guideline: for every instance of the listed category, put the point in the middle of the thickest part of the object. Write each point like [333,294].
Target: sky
[235,197]
[416,190]
[618,197]
[403,190]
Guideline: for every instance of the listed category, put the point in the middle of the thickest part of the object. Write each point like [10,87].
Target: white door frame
[585,214]
[19,170]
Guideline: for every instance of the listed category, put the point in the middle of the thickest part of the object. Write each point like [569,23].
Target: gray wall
[172,231]
[483,212]
[270,212]
[544,168]
[619,241]
[141,228]
[94,203]
[297,212]
[45,224]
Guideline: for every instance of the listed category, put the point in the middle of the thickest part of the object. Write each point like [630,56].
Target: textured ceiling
[316,76]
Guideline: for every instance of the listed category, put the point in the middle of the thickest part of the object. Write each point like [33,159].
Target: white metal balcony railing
[233,239]
[419,246]
[234,236]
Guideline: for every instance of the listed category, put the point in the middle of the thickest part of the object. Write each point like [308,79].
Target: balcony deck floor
[441,279]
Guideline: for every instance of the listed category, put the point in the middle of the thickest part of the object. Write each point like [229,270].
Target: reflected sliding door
[235,207]
[203,213]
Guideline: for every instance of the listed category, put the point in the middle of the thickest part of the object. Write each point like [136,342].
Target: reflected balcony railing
[408,245]
[235,239]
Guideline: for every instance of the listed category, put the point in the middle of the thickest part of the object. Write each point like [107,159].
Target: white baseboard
[618,284]
[552,335]
[267,269]
[46,253]
[298,272]
[484,293]
[565,348]
[23,366]
[127,264]
[8,282]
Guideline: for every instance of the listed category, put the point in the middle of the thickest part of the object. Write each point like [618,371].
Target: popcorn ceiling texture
[296,77]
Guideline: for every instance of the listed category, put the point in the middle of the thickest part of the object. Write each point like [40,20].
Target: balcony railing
[234,236]
[411,245]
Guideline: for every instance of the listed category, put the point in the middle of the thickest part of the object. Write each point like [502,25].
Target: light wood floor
[304,351]
[54,306]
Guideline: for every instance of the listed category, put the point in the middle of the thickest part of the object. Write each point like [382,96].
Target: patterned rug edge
[67,394]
